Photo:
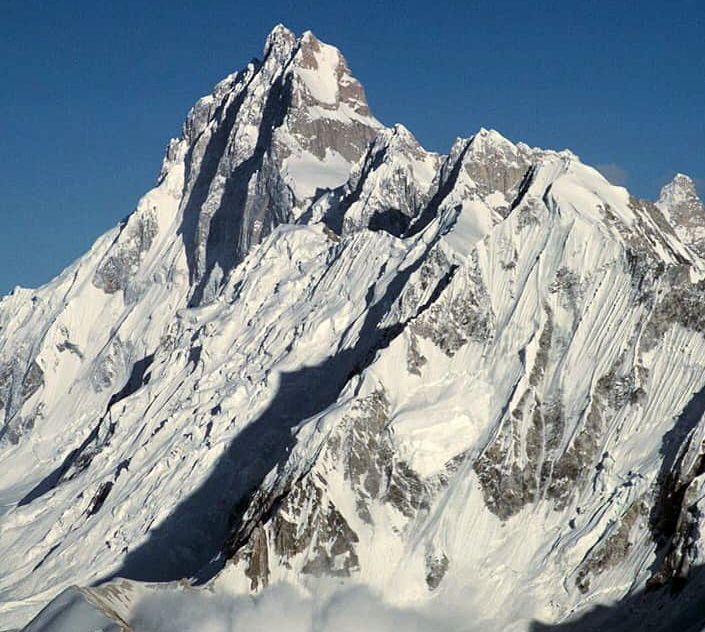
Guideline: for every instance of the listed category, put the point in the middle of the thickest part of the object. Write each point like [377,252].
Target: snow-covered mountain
[318,357]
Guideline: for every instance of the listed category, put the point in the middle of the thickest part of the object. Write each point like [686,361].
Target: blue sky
[90,92]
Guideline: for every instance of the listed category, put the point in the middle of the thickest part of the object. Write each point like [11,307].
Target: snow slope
[318,356]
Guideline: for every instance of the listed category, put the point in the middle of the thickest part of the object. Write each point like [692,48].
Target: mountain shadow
[189,542]
[673,482]
[671,608]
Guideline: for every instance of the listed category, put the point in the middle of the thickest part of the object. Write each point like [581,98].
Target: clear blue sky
[91,91]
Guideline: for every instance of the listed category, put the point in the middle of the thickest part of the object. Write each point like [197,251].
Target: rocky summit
[318,358]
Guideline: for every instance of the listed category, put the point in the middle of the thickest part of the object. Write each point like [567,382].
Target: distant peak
[280,42]
[679,201]
[683,181]
[284,43]
[485,137]
[280,31]
[308,37]
[680,204]
[484,132]
[680,187]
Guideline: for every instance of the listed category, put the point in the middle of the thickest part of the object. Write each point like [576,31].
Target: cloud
[282,608]
[614,173]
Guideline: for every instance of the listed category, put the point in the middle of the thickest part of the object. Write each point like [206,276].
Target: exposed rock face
[682,305]
[324,90]
[612,549]
[437,566]
[123,260]
[316,351]
[18,383]
[464,313]
[300,525]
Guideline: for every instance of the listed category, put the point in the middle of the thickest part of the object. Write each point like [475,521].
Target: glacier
[322,371]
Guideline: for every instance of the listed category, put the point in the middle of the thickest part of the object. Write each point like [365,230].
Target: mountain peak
[682,178]
[309,37]
[680,203]
[324,73]
[681,183]
[290,126]
[486,141]
[680,190]
[280,41]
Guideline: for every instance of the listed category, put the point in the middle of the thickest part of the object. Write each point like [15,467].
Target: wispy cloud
[614,173]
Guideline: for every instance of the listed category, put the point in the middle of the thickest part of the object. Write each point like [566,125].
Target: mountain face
[316,354]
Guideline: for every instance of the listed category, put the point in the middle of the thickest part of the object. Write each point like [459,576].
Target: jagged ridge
[316,349]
